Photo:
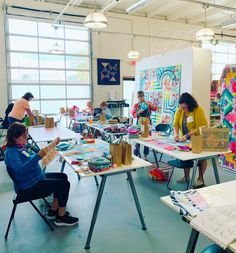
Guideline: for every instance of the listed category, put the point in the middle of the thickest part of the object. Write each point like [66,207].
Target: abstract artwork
[228,114]
[108,71]
[161,86]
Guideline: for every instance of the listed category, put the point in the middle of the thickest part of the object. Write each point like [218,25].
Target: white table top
[42,134]
[137,163]
[215,195]
[181,155]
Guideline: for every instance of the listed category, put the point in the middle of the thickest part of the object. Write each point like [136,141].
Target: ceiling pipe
[218,6]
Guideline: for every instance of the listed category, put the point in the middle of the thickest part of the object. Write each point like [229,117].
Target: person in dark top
[30,179]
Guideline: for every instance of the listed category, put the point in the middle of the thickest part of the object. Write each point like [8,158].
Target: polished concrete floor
[118,227]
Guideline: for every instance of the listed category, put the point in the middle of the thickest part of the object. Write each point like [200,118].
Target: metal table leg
[214,163]
[63,166]
[95,212]
[155,157]
[96,181]
[192,241]
[135,196]
[195,163]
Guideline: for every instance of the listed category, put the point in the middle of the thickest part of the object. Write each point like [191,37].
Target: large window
[222,54]
[55,80]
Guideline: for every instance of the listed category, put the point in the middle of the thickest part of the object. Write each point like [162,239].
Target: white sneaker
[182,181]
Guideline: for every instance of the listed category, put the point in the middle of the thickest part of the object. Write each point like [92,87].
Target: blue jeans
[13,120]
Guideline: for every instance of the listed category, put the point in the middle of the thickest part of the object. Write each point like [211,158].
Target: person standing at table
[188,118]
[19,109]
[142,109]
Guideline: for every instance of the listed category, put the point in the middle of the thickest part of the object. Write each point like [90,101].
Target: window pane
[78,92]
[51,61]
[24,76]
[53,91]
[46,44]
[47,30]
[24,60]
[19,90]
[77,62]
[23,44]
[77,77]
[77,47]
[52,106]
[221,58]
[22,26]
[52,76]
[80,103]
[76,34]
[34,105]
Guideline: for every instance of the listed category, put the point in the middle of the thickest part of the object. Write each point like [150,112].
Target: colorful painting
[228,114]
[108,71]
[162,87]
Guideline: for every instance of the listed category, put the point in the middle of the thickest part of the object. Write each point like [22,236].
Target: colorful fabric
[228,114]
[161,86]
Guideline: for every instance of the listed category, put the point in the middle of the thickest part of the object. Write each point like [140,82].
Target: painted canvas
[108,71]
[228,114]
[162,87]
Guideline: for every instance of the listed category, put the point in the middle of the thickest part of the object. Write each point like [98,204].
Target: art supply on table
[188,202]
[98,164]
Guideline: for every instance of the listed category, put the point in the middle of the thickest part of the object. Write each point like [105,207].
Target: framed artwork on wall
[108,71]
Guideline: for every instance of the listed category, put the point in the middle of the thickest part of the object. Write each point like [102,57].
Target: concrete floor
[118,227]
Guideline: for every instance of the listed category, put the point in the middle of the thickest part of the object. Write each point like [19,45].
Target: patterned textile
[161,86]
[228,114]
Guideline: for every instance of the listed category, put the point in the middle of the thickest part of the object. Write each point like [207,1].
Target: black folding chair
[22,198]
[2,154]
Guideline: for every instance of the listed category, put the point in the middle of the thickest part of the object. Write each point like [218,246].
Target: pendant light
[205,34]
[133,54]
[56,48]
[96,20]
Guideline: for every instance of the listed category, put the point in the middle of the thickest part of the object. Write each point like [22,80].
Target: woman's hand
[41,153]
[176,138]
[184,138]
[58,140]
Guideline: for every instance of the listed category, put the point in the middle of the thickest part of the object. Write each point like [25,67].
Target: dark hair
[28,96]
[14,131]
[189,100]
[141,93]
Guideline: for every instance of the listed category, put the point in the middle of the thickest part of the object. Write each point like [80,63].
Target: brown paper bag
[116,153]
[49,123]
[144,131]
[102,118]
[31,120]
[196,143]
[126,154]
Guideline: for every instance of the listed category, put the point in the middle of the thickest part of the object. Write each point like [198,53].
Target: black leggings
[55,183]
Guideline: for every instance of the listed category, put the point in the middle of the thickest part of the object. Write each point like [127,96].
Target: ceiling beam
[159,10]
[108,5]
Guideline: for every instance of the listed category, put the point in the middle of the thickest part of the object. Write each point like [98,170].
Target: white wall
[196,72]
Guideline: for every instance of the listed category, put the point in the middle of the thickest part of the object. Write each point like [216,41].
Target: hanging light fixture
[56,48]
[205,34]
[133,54]
[95,20]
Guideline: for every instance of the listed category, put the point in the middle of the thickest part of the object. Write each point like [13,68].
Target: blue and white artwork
[108,71]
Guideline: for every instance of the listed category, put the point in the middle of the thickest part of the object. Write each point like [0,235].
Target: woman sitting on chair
[188,118]
[30,180]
